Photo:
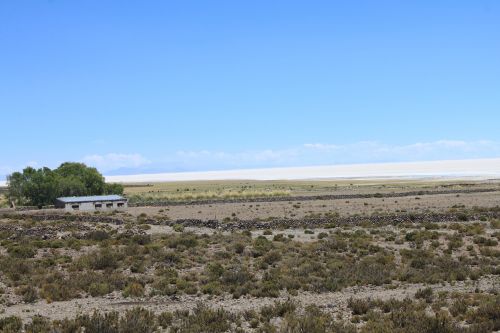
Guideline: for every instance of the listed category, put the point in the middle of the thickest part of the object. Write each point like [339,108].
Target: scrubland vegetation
[95,262]
[136,272]
[207,190]
[192,191]
[480,313]
[192,194]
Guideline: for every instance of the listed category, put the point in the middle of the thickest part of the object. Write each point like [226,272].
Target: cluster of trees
[40,187]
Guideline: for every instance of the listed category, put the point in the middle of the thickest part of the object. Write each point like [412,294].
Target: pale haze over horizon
[137,88]
[479,169]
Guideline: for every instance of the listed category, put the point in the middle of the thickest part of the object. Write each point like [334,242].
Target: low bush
[11,324]
[28,293]
[359,306]
[133,289]
[426,294]
[178,228]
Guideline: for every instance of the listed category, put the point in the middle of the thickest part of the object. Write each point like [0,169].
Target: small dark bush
[425,294]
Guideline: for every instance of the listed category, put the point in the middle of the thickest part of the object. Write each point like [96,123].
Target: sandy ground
[333,302]
[297,209]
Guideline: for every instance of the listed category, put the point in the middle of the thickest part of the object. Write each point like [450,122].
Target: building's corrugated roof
[112,197]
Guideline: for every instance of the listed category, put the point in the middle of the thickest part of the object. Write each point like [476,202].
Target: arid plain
[261,256]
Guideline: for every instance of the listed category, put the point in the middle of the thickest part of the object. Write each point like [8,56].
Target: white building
[92,203]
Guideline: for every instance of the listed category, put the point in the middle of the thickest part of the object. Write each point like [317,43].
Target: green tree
[113,188]
[92,180]
[39,187]
[71,186]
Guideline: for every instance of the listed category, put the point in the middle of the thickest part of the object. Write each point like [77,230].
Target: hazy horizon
[461,169]
[482,168]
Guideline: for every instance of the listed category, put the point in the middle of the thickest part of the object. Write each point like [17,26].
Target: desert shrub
[38,325]
[458,307]
[138,239]
[168,257]
[212,288]
[495,224]
[271,257]
[169,273]
[375,270]
[239,247]
[58,291]
[238,291]
[426,266]
[141,219]
[133,289]
[236,275]
[59,287]
[21,251]
[182,241]
[488,313]
[165,319]
[98,235]
[99,289]
[261,246]
[454,241]
[138,265]
[313,320]
[278,309]
[11,324]
[97,322]
[97,283]
[426,294]
[202,319]
[407,316]
[431,226]
[188,287]
[205,319]
[418,237]
[266,289]
[178,228]
[137,320]
[468,229]
[144,226]
[28,293]
[335,243]
[279,238]
[235,279]
[480,240]
[322,235]
[489,252]
[104,259]
[164,286]
[359,306]
[214,270]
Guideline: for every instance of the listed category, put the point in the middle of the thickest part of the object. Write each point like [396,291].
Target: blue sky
[150,86]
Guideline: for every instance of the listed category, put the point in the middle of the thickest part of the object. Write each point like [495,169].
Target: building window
[109,205]
[98,206]
[75,207]
[120,204]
